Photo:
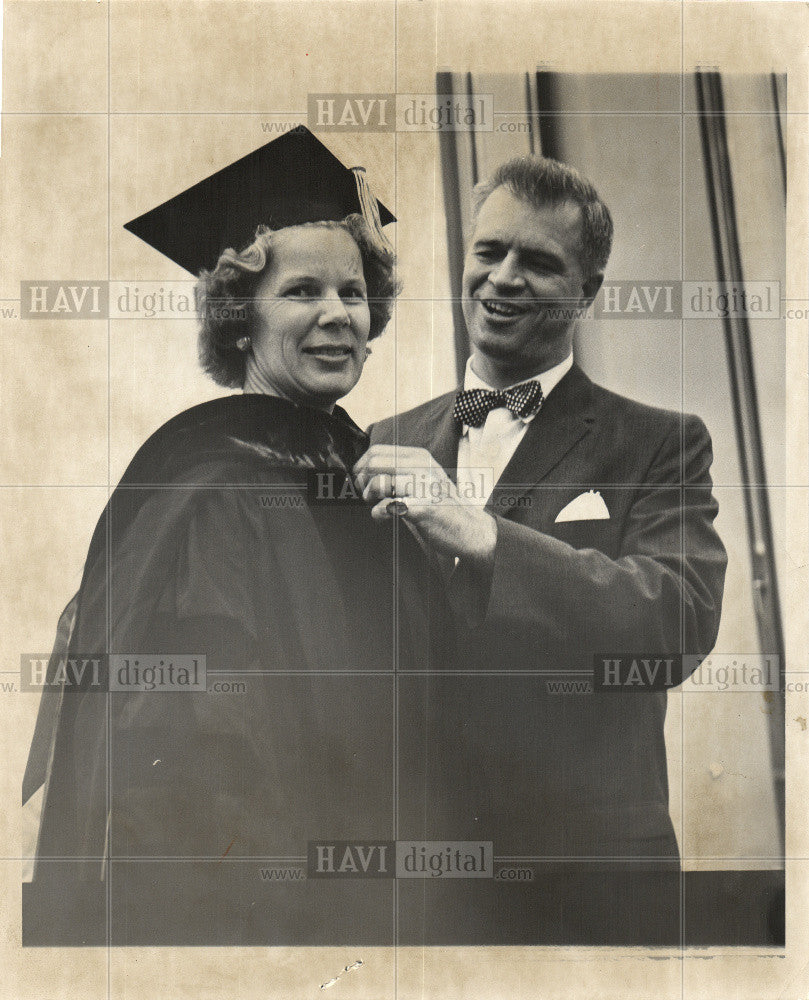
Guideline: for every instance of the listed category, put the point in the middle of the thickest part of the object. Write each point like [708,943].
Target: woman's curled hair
[226,296]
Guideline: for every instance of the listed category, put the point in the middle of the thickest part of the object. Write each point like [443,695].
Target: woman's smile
[330,353]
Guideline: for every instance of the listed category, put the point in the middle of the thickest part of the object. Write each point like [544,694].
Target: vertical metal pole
[448,147]
[710,102]
[548,124]
[470,91]
[532,123]
[779,130]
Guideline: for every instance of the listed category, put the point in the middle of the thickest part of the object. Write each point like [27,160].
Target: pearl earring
[244,343]
[367,353]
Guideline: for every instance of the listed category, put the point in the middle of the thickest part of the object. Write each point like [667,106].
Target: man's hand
[450,524]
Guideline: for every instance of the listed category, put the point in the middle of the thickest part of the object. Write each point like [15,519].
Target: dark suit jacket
[507,757]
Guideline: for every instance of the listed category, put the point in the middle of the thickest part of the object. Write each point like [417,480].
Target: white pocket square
[588,506]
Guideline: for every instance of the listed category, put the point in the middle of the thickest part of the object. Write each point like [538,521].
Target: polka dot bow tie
[472,406]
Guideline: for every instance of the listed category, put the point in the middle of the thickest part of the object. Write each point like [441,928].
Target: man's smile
[504,308]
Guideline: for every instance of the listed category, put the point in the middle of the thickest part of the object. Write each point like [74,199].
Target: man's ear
[591,286]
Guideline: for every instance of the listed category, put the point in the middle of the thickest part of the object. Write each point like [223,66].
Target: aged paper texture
[111,108]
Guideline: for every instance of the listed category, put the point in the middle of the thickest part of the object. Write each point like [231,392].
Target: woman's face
[312,317]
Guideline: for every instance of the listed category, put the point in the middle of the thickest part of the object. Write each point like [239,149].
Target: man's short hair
[542,181]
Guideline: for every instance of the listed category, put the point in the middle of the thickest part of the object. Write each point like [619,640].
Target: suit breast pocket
[596,533]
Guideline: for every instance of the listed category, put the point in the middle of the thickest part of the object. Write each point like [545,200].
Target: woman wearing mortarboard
[235,541]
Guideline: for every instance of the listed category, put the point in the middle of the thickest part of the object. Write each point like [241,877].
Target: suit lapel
[443,435]
[559,426]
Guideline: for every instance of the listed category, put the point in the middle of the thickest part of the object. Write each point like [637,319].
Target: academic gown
[222,543]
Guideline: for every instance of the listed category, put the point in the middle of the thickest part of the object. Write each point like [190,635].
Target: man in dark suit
[596,544]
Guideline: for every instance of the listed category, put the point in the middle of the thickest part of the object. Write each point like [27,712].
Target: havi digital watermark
[737,672]
[400,859]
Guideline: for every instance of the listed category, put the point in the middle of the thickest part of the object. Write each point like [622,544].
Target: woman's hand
[452,525]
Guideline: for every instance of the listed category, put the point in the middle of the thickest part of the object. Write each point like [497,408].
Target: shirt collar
[548,380]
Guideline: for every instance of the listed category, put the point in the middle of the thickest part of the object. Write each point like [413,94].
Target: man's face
[523,285]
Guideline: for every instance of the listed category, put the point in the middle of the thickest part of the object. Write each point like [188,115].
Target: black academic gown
[222,542]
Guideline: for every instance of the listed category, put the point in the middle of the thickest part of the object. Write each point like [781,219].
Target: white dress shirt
[484,452]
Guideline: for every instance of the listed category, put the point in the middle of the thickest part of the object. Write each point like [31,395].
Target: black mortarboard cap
[290,180]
